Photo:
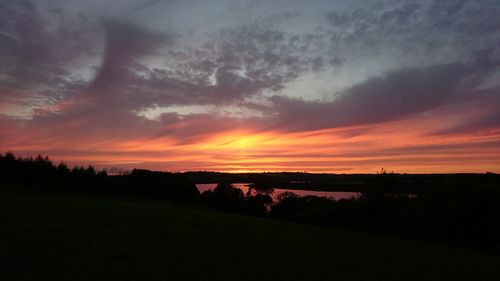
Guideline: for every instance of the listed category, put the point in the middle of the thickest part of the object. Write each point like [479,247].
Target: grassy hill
[50,237]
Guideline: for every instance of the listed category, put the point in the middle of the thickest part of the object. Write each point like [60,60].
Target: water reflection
[337,195]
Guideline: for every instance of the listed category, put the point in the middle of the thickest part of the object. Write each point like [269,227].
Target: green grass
[49,237]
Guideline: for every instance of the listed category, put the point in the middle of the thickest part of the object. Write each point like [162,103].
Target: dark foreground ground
[54,237]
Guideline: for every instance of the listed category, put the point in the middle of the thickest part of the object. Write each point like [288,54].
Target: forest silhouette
[456,209]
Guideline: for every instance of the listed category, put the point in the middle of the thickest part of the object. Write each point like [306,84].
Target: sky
[252,86]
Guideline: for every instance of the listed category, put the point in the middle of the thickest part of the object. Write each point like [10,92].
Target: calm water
[277,191]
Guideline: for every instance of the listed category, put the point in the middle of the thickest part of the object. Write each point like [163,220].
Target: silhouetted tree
[224,197]
[62,168]
[258,205]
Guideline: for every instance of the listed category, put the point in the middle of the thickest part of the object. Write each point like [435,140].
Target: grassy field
[49,237]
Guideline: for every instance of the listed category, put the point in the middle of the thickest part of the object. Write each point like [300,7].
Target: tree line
[463,212]
[41,173]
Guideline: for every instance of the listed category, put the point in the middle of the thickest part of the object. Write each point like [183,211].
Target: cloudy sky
[237,85]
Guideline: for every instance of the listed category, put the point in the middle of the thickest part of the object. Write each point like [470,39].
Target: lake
[337,195]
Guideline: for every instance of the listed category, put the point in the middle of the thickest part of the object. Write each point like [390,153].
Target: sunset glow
[266,87]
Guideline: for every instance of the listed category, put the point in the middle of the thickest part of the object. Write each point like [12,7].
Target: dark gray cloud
[125,43]
[103,106]
[240,63]
[396,94]
[37,49]
[485,122]
[443,31]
